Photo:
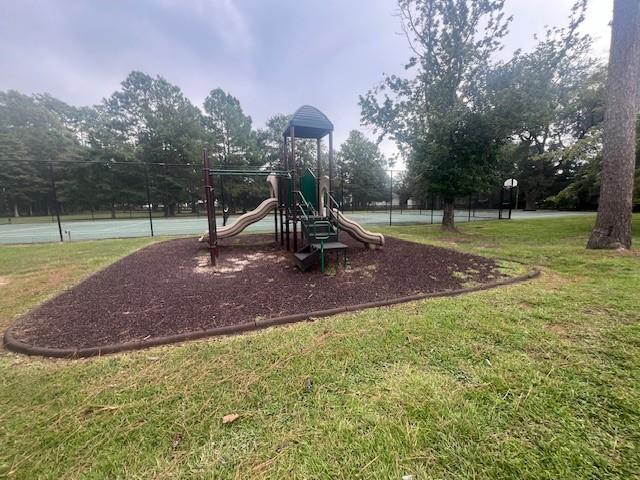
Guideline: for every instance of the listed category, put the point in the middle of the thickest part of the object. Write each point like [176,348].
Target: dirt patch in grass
[169,288]
[582,333]
[4,281]
[558,329]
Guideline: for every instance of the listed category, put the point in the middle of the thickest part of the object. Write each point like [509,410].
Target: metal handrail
[337,205]
[306,204]
[322,238]
[321,223]
[331,199]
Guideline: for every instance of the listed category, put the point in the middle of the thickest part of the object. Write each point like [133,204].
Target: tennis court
[78,230]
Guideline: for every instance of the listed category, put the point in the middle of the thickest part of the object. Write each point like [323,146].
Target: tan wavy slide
[244,220]
[370,239]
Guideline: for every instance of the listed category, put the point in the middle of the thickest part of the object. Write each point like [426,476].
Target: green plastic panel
[308,188]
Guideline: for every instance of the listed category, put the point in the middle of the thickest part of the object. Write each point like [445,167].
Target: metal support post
[54,196]
[146,178]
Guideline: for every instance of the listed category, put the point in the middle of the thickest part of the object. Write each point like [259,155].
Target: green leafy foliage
[270,141]
[548,99]
[533,381]
[233,143]
[435,111]
[29,132]
[231,138]
[459,157]
[584,188]
[156,121]
[362,171]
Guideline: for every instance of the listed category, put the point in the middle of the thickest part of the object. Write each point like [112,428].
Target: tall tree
[584,190]
[576,166]
[403,187]
[270,140]
[452,42]
[536,96]
[233,142]
[230,133]
[30,133]
[160,123]
[270,143]
[613,224]
[18,176]
[110,174]
[362,169]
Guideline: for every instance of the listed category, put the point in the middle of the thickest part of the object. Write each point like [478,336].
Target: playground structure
[307,218]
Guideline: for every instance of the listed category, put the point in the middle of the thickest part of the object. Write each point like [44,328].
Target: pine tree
[613,224]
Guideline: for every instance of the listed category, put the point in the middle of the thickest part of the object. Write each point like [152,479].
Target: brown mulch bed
[169,288]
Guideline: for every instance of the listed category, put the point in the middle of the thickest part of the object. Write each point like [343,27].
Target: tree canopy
[463,122]
[362,171]
[438,113]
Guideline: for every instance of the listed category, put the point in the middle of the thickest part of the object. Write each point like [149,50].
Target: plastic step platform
[306,257]
[328,246]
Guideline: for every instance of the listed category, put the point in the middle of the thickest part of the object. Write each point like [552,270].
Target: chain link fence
[118,198]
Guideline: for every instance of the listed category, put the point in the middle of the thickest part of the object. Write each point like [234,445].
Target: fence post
[432,208]
[342,190]
[146,178]
[390,196]
[55,199]
[5,204]
[275,221]
[209,197]
[510,201]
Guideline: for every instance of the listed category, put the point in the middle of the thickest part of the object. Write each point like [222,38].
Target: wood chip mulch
[169,288]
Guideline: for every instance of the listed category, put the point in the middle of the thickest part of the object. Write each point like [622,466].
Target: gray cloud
[274,55]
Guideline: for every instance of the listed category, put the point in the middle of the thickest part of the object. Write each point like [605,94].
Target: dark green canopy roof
[309,122]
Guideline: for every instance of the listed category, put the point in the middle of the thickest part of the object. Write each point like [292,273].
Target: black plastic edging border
[15,345]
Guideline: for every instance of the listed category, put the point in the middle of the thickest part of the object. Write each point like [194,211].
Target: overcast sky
[274,55]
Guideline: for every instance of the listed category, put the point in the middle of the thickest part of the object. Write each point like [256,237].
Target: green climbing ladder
[321,236]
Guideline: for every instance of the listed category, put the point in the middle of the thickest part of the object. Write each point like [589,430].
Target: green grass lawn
[537,380]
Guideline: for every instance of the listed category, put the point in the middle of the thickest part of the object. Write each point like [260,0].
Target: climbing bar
[240,173]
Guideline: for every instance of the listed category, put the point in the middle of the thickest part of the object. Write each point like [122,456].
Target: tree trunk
[448,215]
[113,209]
[613,224]
[16,212]
[530,198]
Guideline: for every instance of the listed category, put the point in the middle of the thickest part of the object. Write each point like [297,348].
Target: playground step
[332,236]
[330,246]
[306,257]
